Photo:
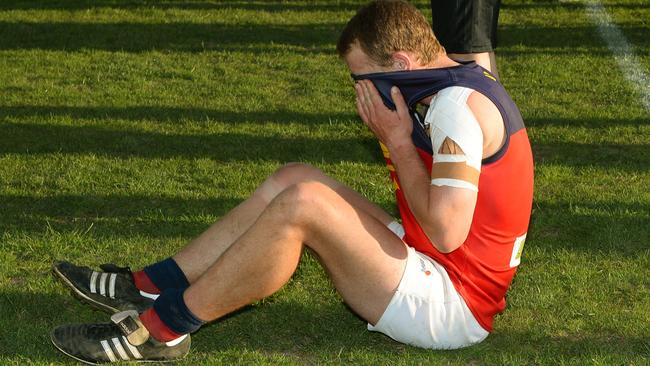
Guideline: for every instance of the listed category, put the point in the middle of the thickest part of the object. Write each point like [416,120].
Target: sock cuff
[156,327]
[166,274]
[175,314]
[144,283]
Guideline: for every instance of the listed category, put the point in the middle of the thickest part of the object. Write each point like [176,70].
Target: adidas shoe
[123,339]
[111,290]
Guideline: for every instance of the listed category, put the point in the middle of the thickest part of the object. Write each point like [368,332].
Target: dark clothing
[466,26]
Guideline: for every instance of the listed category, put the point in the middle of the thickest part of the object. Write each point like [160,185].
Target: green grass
[127,127]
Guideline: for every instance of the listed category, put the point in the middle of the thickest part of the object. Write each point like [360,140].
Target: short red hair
[384,27]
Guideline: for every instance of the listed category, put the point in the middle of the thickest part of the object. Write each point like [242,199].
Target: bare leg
[493,65]
[203,251]
[364,259]
[486,59]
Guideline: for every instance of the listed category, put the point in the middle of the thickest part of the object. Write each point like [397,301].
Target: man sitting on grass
[463,176]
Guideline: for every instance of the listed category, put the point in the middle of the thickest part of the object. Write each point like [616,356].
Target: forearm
[414,181]
[444,212]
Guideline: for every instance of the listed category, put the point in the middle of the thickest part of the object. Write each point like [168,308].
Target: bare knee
[287,176]
[295,173]
[305,202]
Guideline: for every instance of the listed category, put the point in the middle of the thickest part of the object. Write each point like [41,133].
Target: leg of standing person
[487,60]
[468,29]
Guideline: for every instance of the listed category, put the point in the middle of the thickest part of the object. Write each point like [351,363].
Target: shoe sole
[98,363]
[83,297]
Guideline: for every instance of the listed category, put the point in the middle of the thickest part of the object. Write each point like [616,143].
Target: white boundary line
[623,53]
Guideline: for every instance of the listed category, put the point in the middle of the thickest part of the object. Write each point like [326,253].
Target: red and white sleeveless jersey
[482,268]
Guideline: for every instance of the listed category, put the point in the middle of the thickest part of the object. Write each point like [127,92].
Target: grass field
[127,127]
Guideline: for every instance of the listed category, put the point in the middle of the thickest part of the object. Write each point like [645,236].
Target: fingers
[400,104]
[386,124]
[365,100]
[373,94]
[370,104]
[361,107]
[369,100]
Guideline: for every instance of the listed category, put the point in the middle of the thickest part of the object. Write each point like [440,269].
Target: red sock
[156,327]
[143,283]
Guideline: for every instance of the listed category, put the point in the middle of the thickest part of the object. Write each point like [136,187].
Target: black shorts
[466,26]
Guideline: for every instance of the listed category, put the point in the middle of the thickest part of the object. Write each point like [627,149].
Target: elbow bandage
[456,138]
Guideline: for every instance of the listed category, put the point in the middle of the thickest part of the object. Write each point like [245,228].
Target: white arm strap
[451,118]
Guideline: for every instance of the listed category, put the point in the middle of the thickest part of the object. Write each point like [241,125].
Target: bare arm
[444,213]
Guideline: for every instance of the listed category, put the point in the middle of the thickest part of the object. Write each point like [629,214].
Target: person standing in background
[468,29]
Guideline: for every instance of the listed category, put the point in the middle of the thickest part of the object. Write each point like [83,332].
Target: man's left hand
[393,128]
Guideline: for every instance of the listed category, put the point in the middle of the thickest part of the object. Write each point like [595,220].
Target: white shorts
[427,311]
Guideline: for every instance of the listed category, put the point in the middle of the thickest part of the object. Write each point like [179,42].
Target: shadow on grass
[542,39]
[35,139]
[285,326]
[546,41]
[110,216]
[174,114]
[27,318]
[547,5]
[268,6]
[590,227]
[291,327]
[185,37]
[166,114]
[526,346]
[593,123]
[619,157]
[259,38]
[113,216]
[306,332]
[620,228]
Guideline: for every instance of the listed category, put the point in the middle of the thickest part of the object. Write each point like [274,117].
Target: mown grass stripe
[623,52]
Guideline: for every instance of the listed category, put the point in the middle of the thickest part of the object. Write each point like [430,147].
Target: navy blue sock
[172,311]
[167,274]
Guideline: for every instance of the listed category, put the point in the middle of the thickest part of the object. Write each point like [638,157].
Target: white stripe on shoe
[120,349]
[102,284]
[176,341]
[108,351]
[111,286]
[134,351]
[148,295]
[93,278]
